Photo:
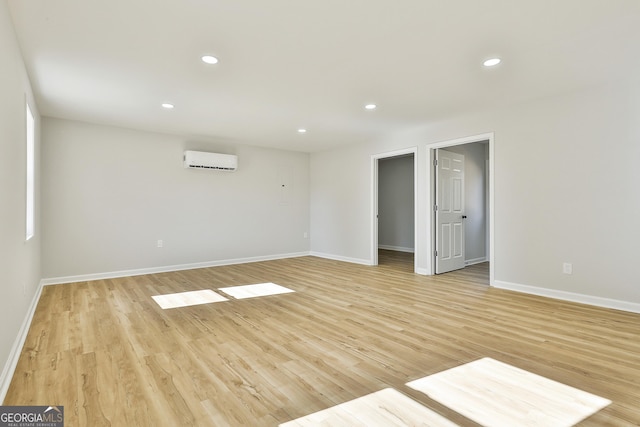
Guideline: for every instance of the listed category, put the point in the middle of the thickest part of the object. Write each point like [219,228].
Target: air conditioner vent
[213,161]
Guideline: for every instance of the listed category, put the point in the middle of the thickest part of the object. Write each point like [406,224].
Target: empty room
[288,213]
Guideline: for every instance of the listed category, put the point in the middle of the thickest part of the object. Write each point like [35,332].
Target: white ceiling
[286,64]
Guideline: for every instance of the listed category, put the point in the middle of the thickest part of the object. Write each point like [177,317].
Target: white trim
[374,200]
[464,140]
[14,355]
[430,173]
[475,261]
[341,258]
[396,248]
[165,269]
[570,296]
[492,210]
[374,211]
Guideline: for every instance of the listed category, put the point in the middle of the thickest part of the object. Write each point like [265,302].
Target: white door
[449,211]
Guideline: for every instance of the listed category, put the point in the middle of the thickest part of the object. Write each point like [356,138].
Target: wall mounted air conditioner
[203,160]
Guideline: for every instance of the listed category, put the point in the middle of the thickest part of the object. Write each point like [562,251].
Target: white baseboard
[570,296]
[475,261]
[341,258]
[164,269]
[16,349]
[396,248]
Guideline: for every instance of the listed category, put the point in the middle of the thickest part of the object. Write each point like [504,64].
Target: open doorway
[394,205]
[475,217]
[396,211]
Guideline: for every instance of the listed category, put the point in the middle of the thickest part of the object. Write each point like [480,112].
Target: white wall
[566,174]
[109,194]
[19,260]
[475,200]
[340,213]
[396,204]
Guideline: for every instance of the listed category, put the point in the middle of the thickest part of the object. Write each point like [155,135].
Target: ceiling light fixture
[492,62]
[167,106]
[208,59]
[302,130]
[370,107]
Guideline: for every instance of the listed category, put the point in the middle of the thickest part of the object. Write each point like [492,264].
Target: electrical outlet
[160,243]
[567,268]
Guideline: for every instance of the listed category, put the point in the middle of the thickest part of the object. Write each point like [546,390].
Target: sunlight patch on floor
[386,407]
[185,299]
[493,393]
[252,291]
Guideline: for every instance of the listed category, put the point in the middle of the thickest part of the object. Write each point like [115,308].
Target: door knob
[464,217]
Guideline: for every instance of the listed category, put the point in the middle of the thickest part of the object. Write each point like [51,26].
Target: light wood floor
[111,356]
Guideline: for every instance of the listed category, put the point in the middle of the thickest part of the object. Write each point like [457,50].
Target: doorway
[394,179]
[477,241]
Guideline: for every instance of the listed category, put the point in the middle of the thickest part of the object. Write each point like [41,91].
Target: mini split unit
[215,161]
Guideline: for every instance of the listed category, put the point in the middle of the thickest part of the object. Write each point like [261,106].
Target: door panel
[449,211]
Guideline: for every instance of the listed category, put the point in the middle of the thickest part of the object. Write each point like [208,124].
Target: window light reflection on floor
[493,393]
[387,407]
[185,299]
[252,291]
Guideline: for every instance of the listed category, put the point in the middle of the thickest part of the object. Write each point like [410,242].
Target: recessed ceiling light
[370,107]
[492,62]
[209,59]
[301,130]
[167,106]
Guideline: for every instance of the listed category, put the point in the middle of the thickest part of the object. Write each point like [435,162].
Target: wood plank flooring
[112,357]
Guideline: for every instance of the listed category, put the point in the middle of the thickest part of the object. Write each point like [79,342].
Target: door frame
[431,186]
[374,200]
